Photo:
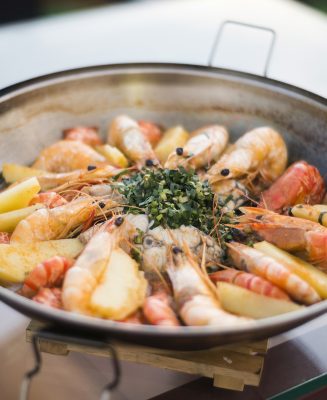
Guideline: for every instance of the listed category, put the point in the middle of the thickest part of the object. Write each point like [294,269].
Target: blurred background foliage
[15,10]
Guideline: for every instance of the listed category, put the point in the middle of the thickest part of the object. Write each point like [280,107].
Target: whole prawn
[249,281]
[261,152]
[197,303]
[126,134]
[68,155]
[300,183]
[55,223]
[205,145]
[157,307]
[288,233]
[256,262]
[48,274]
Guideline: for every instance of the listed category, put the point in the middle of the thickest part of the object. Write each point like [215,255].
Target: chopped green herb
[173,198]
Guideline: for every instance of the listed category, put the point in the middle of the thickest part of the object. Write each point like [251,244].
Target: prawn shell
[67,156]
[261,151]
[300,183]
[249,281]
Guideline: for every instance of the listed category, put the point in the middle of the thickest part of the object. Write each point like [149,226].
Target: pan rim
[156,67]
[107,326]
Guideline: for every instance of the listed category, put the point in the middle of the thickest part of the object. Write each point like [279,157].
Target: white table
[156,31]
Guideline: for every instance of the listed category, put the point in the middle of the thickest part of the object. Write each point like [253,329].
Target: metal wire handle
[58,337]
[221,30]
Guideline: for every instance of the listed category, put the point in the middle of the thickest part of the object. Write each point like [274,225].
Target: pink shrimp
[67,156]
[50,199]
[49,296]
[300,183]
[158,311]
[157,307]
[4,238]
[85,134]
[258,263]
[288,233]
[48,274]
[249,281]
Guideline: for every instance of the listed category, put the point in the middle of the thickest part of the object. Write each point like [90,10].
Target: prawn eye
[224,172]
[179,151]
[148,242]
[238,235]
[119,221]
[91,167]
[149,163]
[177,250]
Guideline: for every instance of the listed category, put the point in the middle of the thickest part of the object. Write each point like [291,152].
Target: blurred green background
[15,10]
[319,4]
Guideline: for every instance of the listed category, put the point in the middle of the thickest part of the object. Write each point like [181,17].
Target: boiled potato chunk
[14,172]
[320,207]
[122,289]
[313,276]
[113,155]
[172,138]
[312,213]
[19,196]
[17,260]
[238,300]
[9,220]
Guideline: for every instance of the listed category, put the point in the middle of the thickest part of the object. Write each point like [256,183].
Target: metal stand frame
[63,338]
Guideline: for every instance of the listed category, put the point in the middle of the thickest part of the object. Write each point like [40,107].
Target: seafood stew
[161,226]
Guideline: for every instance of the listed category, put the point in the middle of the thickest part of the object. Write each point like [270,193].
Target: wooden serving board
[230,366]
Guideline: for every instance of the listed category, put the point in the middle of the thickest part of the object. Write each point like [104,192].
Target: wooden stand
[230,366]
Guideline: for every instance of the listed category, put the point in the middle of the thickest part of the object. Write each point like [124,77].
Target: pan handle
[62,337]
[220,32]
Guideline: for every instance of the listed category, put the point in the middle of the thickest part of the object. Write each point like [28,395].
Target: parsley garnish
[173,198]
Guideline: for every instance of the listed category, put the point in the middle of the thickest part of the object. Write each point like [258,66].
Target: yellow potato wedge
[122,289]
[15,172]
[312,275]
[113,155]
[313,213]
[17,260]
[243,302]
[320,207]
[19,196]
[172,138]
[9,220]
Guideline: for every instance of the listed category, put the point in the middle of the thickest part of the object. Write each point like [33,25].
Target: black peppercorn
[102,204]
[91,167]
[179,151]
[149,163]
[224,172]
[176,250]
